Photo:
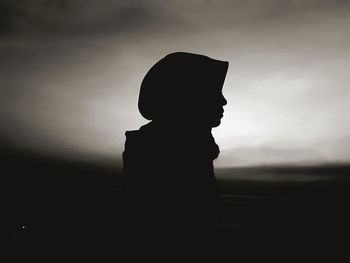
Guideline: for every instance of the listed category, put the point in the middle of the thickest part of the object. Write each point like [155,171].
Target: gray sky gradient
[70,73]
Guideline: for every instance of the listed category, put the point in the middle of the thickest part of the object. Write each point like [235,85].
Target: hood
[179,79]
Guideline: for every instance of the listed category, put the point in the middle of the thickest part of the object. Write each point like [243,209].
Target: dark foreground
[65,210]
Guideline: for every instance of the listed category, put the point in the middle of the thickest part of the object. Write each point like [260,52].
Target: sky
[70,73]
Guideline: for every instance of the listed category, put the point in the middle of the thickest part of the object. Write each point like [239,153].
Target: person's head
[184,88]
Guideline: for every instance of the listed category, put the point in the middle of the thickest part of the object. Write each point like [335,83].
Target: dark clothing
[173,202]
[170,186]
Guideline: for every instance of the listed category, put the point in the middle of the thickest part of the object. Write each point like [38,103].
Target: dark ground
[58,210]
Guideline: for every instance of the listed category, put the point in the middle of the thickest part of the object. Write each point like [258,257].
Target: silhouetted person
[172,193]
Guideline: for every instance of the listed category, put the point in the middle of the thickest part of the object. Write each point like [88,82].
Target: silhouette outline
[172,196]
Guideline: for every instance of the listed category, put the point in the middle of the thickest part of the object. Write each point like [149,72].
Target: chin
[215,123]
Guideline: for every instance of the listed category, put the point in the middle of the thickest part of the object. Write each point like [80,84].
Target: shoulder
[136,140]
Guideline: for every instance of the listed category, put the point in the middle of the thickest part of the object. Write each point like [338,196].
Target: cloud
[79,18]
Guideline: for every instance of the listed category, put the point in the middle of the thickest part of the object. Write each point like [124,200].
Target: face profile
[184,88]
[213,110]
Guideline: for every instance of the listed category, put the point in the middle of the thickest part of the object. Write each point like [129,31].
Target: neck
[196,137]
[187,127]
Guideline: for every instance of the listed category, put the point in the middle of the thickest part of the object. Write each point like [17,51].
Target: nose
[223,100]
